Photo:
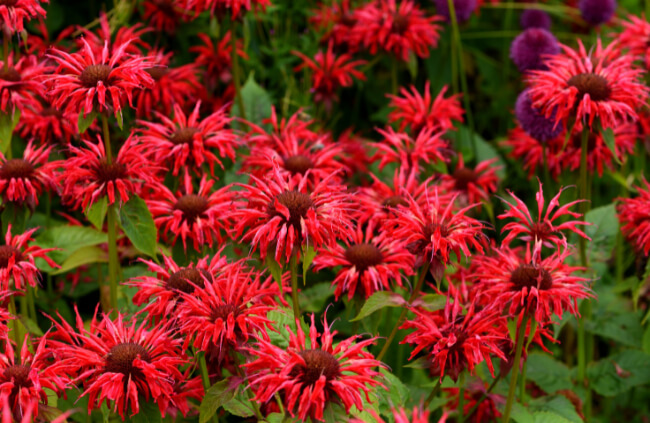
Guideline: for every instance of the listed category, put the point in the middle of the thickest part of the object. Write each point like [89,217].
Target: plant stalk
[293,268]
[521,333]
[17,339]
[111,221]
[461,398]
[235,70]
[205,378]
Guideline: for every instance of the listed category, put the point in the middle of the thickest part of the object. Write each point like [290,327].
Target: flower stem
[521,333]
[394,77]
[16,332]
[251,398]
[584,187]
[235,70]
[293,268]
[432,395]
[522,384]
[30,303]
[205,378]
[461,398]
[418,287]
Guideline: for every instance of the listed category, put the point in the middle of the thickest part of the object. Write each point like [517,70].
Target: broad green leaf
[239,407]
[379,300]
[520,414]
[8,123]
[618,373]
[52,397]
[412,65]
[558,404]
[602,231]
[431,302]
[308,255]
[82,256]
[97,213]
[29,326]
[219,394]
[84,122]
[149,413]
[275,269]
[548,373]
[623,327]
[645,342]
[138,225]
[313,298]
[66,239]
[397,393]
[549,417]
[275,418]
[257,103]
[610,141]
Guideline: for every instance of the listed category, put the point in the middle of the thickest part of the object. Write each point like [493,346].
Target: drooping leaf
[8,122]
[379,300]
[602,231]
[431,302]
[219,394]
[239,407]
[82,256]
[275,269]
[549,417]
[256,101]
[397,392]
[96,213]
[610,142]
[149,413]
[308,255]
[138,225]
[84,122]
[66,239]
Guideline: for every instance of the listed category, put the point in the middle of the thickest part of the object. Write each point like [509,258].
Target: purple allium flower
[596,12]
[528,49]
[532,120]
[463,8]
[535,18]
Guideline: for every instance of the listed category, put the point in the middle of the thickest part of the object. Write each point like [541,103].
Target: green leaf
[431,302]
[85,255]
[275,269]
[308,255]
[8,123]
[149,413]
[257,103]
[602,231]
[17,215]
[83,123]
[66,239]
[313,298]
[520,414]
[379,300]
[412,65]
[618,373]
[558,404]
[97,213]
[549,374]
[138,225]
[239,407]
[397,393]
[645,342]
[623,327]
[549,417]
[219,394]
[28,325]
[610,141]
[106,413]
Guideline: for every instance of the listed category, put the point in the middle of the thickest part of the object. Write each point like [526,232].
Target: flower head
[635,38]
[14,13]
[189,142]
[532,153]
[475,185]
[337,19]
[46,124]
[634,218]
[533,121]
[597,12]
[308,377]
[21,83]
[600,84]
[165,15]
[217,59]
[535,18]
[530,49]
[17,261]
[427,146]
[23,180]
[463,9]
[476,395]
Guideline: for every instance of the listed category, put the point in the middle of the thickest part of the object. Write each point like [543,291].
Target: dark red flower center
[10,74]
[592,141]
[183,136]
[166,7]
[528,276]
[16,169]
[432,228]
[91,76]
[297,203]
[541,230]
[120,358]
[400,24]
[348,19]
[193,206]
[298,164]
[6,253]
[395,201]
[590,83]
[107,172]
[51,111]
[463,177]
[222,312]
[363,256]
[317,363]
[181,279]
[157,72]
[20,375]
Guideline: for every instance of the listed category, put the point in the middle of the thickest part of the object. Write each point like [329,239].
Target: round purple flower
[535,18]
[463,9]
[530,48]
[597,12]
[533,121]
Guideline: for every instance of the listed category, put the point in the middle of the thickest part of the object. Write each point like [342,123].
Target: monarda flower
[337,19]
[530,49]
[17,261]
[634,218]
[165,15]
[14,14]
[198,217]
[120,362]
[114,38]
[235,7]
[474,185]
[635,38]
[220,317]
[161,293]
[23,180]
[453,341]
[184,389]
[544,229]
[426,147]
[329,73]
[21,82]
[532,153]
[281,128]
[47,125]
[89,81]
[525,284]
[189,142]
[600,84]
[217,59]
[369,263]
[308,377]
[413,110]
[396,27]
[281,213]
[87,175]
[24,378]
[476,397]
[171,85]
[5,316]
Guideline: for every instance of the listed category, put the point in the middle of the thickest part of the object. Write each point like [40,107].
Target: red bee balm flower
[189,142]
[454,341]
[600,84]
[14,13]
[635,38]
[368,263]
[17,261]
[526,283]
[633,215]
[425,147]
[88,176]
[226,311]
[165,15]
[121,363]
[24,180]
[20,82]
[543,229]
[474,185]
[396,27]
[235,6]
[329,73]
[89,80]
[217,59]
[197,217]
[283,212]
[46,124]
[24,378]
[308,378]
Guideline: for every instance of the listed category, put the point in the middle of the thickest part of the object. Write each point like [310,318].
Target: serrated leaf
[549,417]
[313,298]
[239,408]
[138,225]
[379,300]
[618,373]
[219,394]
[397,393]
[257,103]
[610,142]
[558,404]
[623,327]
[520,414]
[66,239]
[82,256]
[602,231]
[96,213]
[149,413]
[431,302]
[8,123]
[308,255]
[84,122]
[549,374]
[275,269]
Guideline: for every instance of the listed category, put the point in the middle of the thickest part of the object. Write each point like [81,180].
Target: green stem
[584,188]
[107,138]
[205,378]
[515,368]
[251,398]
[16,330]
[293,268]
[418,287]
[461,398]
[113,260]
[30,303]
[485,395]
[432,395]
[235,70]
[522,384]
[394,76]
